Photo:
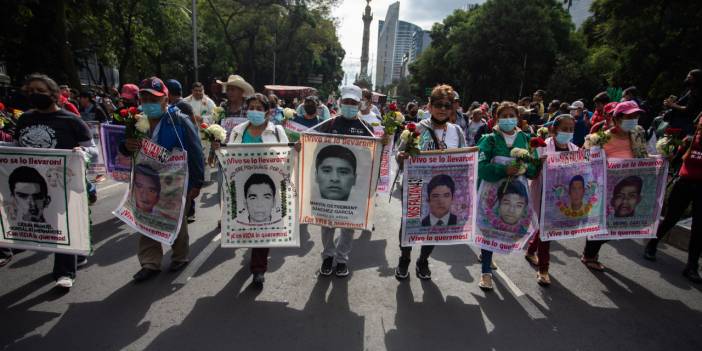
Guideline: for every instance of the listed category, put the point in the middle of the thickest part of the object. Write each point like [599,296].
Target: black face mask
[310,110]
[437,122]
[40,101]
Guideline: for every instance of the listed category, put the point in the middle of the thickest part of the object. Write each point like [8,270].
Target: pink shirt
[618,148]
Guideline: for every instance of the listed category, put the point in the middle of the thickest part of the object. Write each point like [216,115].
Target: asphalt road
[635,305]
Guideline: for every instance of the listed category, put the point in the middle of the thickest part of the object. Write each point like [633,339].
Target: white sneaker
[64,282]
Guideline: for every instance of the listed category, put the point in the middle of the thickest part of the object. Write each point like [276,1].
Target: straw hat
[239,82]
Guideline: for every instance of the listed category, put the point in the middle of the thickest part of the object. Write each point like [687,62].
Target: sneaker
[650,251]
[342,270]
[258,280]
[191,218]
[402,270]
[144,274]
[177,265]
[326,269]
[64,282]
[81,261]
[692,275]
[422,270]
[485,281]
[543,279]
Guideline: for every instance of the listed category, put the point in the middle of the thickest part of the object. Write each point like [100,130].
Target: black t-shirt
[56,130]
[309,123]
[344,126]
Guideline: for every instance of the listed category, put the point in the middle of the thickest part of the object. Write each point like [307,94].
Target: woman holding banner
[495,147]
[538,253]
[258,129]
[436,133]
[625,140]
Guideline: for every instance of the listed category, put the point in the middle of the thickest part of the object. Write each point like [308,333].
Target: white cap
[351,92]
[576,105]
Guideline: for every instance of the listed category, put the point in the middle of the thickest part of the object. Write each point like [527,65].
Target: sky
[423,13]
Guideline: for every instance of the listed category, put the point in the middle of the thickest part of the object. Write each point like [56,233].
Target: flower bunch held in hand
[137,124]
[542,132]
[410,137]
[392,120]
[218,114]
[669,144]
[213,132]
[288,114]
[600,138]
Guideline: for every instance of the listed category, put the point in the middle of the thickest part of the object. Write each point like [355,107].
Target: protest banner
[44,200]
[338,175]
[573,195]
[293,130]
[385,176]
[506,219]
[155,201]
[97,164]
[635,192]
[259,205]
[437,200]
[229,123]
[118,166]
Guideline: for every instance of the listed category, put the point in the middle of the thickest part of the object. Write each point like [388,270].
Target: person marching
[505,136]
[627,140]
[436,133]
[258,129]
[538,252]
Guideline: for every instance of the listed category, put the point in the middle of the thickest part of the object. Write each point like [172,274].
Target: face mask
[152,109]
[564,138]
[349,111]
[507,124]
[40,101]
[310,110]
[438,122]
[256,117]
[629,124]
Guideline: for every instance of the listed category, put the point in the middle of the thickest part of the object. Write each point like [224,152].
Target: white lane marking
[199,260]
[110,186]
[520,296]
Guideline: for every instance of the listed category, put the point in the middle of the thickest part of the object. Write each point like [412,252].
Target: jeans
[683,193]
[486,258]
[150,252]
[64,266]
[406,251]
[340,250]
[259,260]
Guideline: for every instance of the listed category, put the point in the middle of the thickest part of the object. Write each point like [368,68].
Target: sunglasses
[445,105]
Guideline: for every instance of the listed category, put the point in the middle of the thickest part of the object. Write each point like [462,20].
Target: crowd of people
[495,128]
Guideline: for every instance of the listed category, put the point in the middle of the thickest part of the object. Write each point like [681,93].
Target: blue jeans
[486,260]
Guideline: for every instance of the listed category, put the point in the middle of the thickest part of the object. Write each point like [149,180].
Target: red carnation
[393,107]
[411,127]
[203,125]
[417,134]
[123,112]
[537,142]
[133,111]
[673,131]
[2,106]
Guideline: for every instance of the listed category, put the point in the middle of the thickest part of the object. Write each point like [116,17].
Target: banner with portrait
[573,195]
[338,176]
[293,130]
[155,202]
[44,200]
[228,123]
[97,164]
[438,206]
[118,166]
[635,192]
[506,219]
[259,205]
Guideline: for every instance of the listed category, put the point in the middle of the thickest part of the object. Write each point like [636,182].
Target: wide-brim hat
[239,82]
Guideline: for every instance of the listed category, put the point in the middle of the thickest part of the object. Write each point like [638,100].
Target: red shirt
[691,168]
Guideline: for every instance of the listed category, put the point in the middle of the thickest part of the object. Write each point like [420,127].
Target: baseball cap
[174,87]
[129,91]
[351,92]
[576,105]
[627,108]
[609,108]
[153,86]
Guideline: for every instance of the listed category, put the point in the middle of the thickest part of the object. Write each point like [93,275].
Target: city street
[634,305]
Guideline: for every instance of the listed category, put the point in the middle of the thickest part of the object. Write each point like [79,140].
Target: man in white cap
[346,123]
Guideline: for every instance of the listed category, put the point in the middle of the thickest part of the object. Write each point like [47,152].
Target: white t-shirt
[509,139]
[452,138]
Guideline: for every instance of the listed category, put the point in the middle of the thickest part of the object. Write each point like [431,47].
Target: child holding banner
[49,127]
[564,126]
[435,133]
[625,140]
[505,136]
[258,129]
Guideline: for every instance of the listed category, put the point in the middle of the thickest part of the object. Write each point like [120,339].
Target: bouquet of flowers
[410,136]
[668,145]
[600,138]
[392,120]
[218,114]
[137,124]
[288,114]
[213,132]
[542,132]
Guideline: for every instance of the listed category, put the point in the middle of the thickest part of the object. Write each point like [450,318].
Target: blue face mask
[629,124]
[507,124]
[152,109]
[256,117]
[349,111]
[564,138]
